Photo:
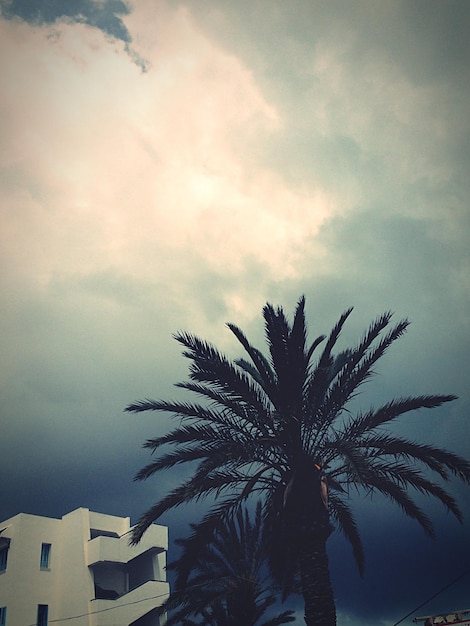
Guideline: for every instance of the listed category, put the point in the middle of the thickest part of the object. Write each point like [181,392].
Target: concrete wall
[23,578]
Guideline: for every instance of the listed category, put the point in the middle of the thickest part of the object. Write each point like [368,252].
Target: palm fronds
[221,573]
[270,424]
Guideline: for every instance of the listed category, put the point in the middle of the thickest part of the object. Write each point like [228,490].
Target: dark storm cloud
[373,110]
[64,393]
[440,30]
[428,38]
[404,567]
[102,14]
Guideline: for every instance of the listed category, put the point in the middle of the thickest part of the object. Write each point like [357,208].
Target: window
[45,555]
[3,615]
[42,615]
[3,560]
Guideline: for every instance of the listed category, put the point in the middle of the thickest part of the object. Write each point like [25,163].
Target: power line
[110,608]
[432,597]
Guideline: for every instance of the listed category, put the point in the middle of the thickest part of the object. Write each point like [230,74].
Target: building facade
[82,567]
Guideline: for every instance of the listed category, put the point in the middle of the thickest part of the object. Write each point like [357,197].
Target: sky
[170,165]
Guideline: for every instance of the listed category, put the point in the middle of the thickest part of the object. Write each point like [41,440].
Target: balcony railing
[130,606]
[118,550]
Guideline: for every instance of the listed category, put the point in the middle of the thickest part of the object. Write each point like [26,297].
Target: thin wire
[110,608]
[432,597]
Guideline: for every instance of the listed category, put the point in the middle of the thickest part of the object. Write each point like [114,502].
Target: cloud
[132,171]
[267,151]
[125,196]
[373,100]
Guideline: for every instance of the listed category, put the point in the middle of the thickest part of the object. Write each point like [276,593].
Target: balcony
[130,606]
[118,550]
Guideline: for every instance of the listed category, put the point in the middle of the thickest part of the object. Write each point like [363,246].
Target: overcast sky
[174,165]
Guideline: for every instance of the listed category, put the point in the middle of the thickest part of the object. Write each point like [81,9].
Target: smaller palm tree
[225,582]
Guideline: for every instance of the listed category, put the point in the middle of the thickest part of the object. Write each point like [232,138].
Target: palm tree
[228,584]
[283,428]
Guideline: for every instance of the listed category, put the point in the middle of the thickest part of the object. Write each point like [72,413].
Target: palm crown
[228,584]
[280,427]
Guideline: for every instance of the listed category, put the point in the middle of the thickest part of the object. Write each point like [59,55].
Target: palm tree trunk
[315,577]
[307,516]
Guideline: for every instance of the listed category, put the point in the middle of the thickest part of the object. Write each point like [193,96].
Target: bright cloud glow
[128,170]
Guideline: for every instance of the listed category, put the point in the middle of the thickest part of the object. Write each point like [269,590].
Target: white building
[80,567]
